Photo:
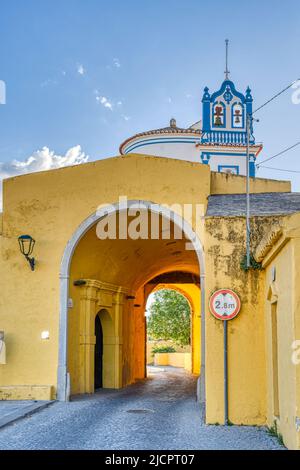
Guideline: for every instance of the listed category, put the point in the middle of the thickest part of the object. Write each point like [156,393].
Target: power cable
[278,154]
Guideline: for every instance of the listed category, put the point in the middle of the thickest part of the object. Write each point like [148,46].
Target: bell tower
[224,135]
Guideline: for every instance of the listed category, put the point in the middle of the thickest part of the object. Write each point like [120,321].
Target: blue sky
[93,72]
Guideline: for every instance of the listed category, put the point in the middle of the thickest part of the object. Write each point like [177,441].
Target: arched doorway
[136,261]
[189,287]
[169,328]
[98,356]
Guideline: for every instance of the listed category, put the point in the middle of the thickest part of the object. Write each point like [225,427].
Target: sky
[83,75]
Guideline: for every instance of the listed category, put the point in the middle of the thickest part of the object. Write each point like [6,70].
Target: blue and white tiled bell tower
[223,143]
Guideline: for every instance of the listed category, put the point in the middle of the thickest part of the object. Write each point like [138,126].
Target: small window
[219,115]
[229,169]
[237,115]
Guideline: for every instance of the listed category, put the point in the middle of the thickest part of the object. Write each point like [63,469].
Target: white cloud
[103,100]
[2,92]
[41,160]
[116,62]
[80,69]
[126,118]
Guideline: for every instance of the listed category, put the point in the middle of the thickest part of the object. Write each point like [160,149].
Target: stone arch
[63,380]
[175,287]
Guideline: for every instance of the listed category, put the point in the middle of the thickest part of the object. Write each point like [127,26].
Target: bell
[237,120]
[218,121]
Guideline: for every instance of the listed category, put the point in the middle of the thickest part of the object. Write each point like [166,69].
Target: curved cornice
[225,84]
[167,131]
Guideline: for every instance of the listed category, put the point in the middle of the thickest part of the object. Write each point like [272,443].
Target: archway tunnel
[176,305]
[110,280]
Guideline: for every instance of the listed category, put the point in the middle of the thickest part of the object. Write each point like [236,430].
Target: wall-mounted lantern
[26,243]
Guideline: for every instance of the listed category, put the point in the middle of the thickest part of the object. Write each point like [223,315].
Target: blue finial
[248,95]
[206,95]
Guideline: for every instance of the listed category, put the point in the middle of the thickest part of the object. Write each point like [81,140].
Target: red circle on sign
[224,292]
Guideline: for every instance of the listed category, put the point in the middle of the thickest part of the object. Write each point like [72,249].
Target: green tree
[170,317]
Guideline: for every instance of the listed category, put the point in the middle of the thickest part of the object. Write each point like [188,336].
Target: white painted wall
[162,146]
[215,161]
[181,151]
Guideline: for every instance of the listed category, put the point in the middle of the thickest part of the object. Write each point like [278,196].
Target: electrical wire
[279,169]
[275,96]
[265,104]
[278,154]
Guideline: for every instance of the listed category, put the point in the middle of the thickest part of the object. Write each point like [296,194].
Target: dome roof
[171,129]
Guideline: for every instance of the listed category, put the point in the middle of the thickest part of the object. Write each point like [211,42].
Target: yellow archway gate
[91,301]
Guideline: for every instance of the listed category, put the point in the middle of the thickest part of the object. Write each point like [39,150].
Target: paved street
[11,411]
[160,413]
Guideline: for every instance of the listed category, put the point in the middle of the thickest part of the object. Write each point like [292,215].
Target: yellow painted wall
[296,297]
[139,352]
[51,205]
[181,360]
[226,183]
[285,333]
[284,293]
[153,344]
[26,392]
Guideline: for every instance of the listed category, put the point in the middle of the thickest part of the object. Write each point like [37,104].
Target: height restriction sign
[224,304]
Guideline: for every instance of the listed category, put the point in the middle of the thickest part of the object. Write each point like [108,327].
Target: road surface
[159,413]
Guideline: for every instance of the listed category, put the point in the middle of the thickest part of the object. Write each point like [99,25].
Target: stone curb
[11,418]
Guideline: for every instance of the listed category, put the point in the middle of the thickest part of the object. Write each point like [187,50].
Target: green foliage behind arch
[170,317]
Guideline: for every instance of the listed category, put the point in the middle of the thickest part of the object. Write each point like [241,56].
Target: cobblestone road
[114,420]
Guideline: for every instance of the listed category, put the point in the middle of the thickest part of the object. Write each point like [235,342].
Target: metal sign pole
[225,304]
[225,372]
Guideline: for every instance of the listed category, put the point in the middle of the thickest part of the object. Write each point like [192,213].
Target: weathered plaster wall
[225,247]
